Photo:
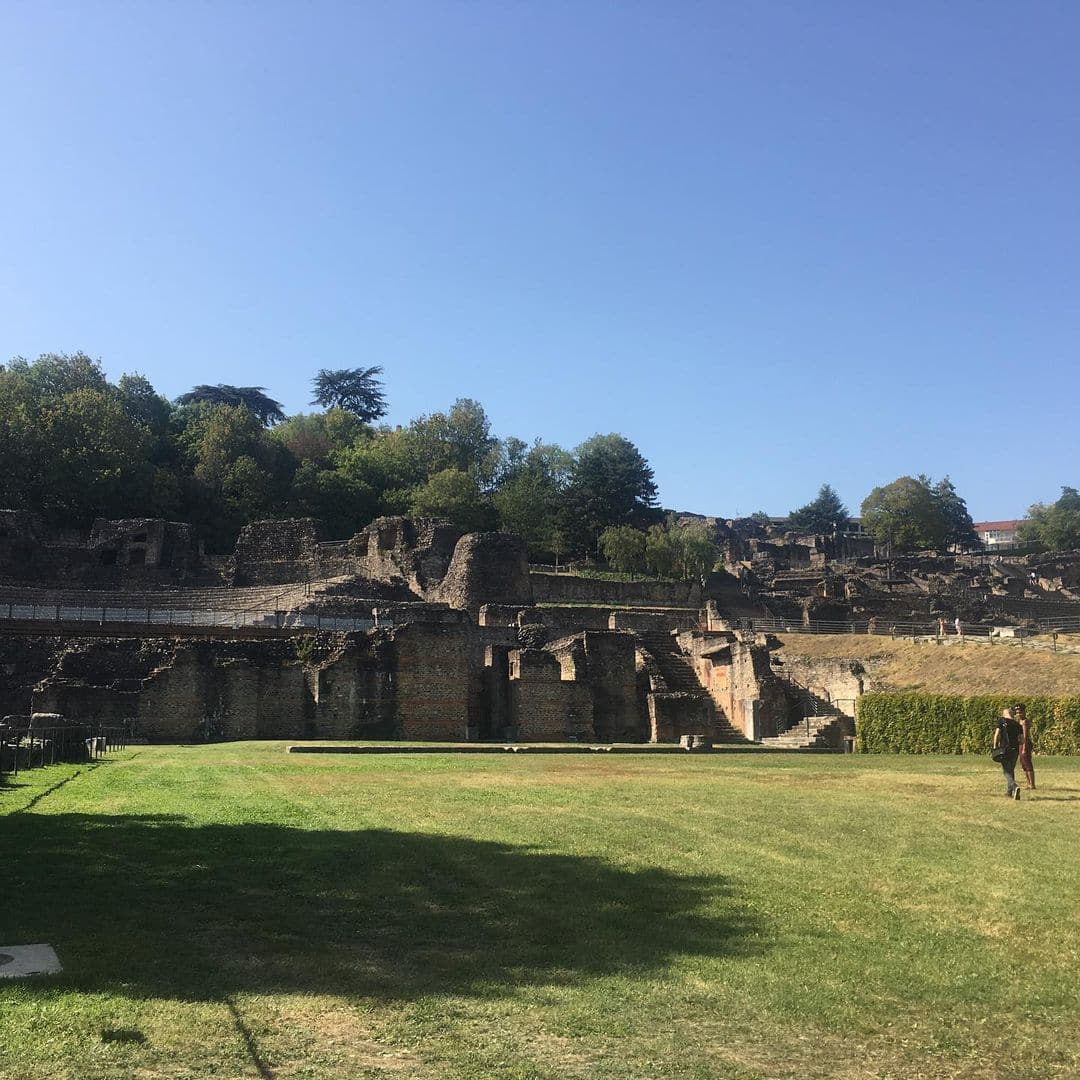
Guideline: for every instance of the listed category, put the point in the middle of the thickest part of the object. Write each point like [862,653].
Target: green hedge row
[947,724]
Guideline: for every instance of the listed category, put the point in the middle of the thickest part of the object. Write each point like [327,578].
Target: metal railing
[899,629]
[178,617]
[27,746]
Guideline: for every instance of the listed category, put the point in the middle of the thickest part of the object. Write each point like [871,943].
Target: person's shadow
[159,907]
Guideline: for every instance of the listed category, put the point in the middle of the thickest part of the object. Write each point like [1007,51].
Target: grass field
[234,911]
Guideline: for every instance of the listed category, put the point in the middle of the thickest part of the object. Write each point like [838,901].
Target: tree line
[74,446]
[915,513]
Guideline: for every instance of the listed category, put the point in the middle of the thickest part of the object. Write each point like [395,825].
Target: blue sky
[773,243]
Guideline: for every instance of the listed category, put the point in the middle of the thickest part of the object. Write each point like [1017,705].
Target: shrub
[914,723]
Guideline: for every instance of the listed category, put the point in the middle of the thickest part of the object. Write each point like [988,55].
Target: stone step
[798,737]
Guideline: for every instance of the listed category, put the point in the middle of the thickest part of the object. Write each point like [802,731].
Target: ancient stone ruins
[456,637]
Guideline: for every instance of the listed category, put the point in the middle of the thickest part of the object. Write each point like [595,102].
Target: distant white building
[995,533]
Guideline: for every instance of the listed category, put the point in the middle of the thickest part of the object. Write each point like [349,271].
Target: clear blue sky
[773,243]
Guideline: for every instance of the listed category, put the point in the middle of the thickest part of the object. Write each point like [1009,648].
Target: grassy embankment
[948,668]
[234,911]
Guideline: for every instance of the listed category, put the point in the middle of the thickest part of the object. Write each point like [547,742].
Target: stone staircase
[680,678]
[810,733]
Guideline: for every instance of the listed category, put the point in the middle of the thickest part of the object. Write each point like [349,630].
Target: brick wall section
[543,706]
[144,545]
[100,704]
[174,704]
[612,674]
[437,689]
[832,681]
[353,693]
[673,715]
[570,619]
[115,554]
[24,662]
[424,679]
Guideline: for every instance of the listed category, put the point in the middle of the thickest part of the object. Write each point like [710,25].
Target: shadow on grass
[151,905]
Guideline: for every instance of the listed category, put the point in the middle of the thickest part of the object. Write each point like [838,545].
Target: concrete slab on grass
[20,961]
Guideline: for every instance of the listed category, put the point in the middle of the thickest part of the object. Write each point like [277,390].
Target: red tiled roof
[986,526]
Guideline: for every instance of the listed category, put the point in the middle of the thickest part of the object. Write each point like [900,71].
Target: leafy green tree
[149,409]
[959,528]
[454,496]
[459,439]
[695,550]
[316,436]
[1055,525]
[624,548]
[249,489]
[253,398]
[343,503]
[660,552]
[906,515]
[53,375]
[22,446]
[97,461]
[226,433]
[529,494]
[825,514]
[355,390]
[388,462]
[610,483]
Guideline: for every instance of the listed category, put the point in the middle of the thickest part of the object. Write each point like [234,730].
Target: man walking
[1007,736]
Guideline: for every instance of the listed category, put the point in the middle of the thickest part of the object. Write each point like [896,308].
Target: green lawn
[235,911]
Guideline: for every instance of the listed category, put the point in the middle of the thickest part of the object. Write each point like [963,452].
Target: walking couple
[1012,743]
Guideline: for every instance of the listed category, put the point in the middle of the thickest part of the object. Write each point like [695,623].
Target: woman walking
[1007,738]
[1020,713]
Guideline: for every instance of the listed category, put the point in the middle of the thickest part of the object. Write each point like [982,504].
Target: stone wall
[686,619]
[353,690]
[836,683]
[438,677]
[25,662]
[276,552]
[543,706]
[415,553]
[486,568]
[734,667]
[131,552]
[571,619]
[672,715]
[612,674]
[437,684]
[140,546]
[567,588]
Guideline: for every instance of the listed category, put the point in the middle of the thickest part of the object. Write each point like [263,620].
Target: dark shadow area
[151,905]
[122,1035]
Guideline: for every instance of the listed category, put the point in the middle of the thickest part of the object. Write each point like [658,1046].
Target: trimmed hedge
[948,724]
